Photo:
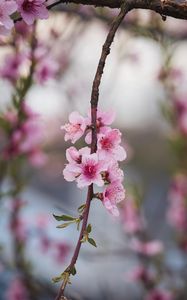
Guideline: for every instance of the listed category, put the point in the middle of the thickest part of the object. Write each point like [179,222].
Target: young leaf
[81,208]
[78,224]
[89,228]
[58,278]
[64,218]
[64,225]
[73,271]
[92,242]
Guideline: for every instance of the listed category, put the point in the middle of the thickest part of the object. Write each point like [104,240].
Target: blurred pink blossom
[46,69]
[31,10]
[6,9]
[177,211]
[150,248]
[133,222]
[26,136]
[11,67]
[158,294]
[18,228]
[16,291]
[141,273]
[61,251]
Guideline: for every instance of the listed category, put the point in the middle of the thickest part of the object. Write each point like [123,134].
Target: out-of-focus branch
[173,8]
[148,30]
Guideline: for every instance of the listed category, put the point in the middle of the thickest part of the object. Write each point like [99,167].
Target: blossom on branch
[109,145]
[113,194]
[6,9]
[100,168]
[75,128]
[31,10]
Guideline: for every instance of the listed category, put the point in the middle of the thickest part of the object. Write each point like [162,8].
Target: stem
[94,103]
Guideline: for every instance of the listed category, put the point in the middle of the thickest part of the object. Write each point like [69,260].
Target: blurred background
[50,67]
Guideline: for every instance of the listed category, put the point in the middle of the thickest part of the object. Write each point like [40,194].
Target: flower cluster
[24,136]
[29,11]
[100,168]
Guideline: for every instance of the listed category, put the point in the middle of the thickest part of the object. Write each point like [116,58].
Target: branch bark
[173,8]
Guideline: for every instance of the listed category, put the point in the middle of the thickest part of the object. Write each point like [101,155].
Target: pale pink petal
[27,17]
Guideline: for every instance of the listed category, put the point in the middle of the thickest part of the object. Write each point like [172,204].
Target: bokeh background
[143,82]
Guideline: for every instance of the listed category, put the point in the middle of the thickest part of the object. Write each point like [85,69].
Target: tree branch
[94,103]
[173,8]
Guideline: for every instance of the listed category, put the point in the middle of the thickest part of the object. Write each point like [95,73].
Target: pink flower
[113,173]
[113,194]
[75,128]
[131,218]
[71,172]
[6,9]
[147,248]
[46,69]
[177,212]
[157,294]
[103,120]
[37,158]
[11,117]
[74,158]
[11,67]
[30,10]
[46,244]
[141,274]
[23,30]
[16,291]
[32,135]
[108,146]
[18,229]
[26,137]
[90,171]
[61,251]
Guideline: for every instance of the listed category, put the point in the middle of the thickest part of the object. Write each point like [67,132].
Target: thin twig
[94,103]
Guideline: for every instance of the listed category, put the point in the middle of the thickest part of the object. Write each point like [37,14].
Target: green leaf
[92,242]
[89,228]
[64,225]
[73,271]
[58,278]
[81,208]
[78,224]
[64,218]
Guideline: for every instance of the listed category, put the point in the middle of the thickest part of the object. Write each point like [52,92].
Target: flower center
[106,143]
[28,5]
[89,171]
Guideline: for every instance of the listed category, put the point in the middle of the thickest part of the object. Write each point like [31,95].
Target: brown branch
[148,30]
[94,103]
[173,8]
